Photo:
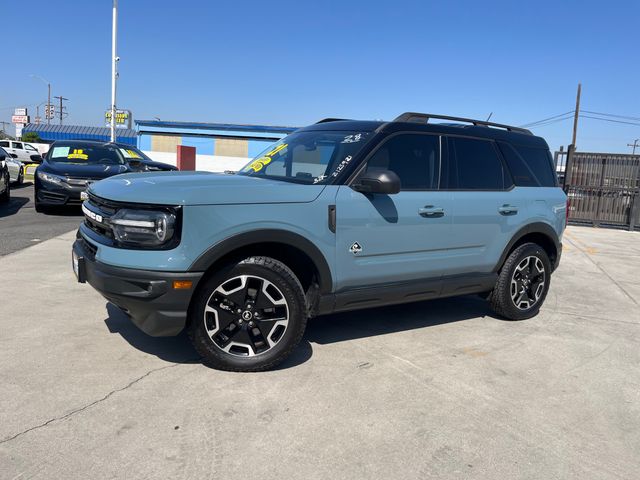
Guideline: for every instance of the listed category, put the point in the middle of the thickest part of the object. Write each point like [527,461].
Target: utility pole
[572,146]
[61,98]
[634,145]
[576,114]
[114,68]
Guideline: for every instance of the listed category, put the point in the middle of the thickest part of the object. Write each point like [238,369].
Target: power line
[531,124]
[610,120]
[612,115]
[551,122]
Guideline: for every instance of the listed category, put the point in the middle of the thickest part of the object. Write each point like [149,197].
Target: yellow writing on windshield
[79,154]
[265,160]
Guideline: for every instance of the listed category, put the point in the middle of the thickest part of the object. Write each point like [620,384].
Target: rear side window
[4,144]
[414,158]
[540,162]
[523,176]
[477,166]
[17,145]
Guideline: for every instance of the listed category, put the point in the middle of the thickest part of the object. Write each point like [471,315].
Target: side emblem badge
[356,248]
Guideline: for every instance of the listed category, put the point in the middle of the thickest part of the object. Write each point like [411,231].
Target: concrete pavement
[430,390]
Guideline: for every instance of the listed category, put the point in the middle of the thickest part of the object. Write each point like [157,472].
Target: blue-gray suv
[337,216]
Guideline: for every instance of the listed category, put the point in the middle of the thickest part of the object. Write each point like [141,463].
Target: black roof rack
[325,120]
[414,117]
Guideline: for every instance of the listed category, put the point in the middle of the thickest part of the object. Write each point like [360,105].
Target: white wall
[207,163]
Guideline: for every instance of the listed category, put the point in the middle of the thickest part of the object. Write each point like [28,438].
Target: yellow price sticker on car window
[265,160]
[79,154]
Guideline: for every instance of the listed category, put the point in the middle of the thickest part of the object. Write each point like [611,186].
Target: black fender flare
[536,227]
[255,237]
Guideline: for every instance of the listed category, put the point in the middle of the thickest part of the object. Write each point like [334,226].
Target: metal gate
[603,188]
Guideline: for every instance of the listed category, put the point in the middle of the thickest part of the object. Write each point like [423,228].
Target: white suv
[21,149]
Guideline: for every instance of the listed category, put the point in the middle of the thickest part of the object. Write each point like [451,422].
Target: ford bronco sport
[337,216]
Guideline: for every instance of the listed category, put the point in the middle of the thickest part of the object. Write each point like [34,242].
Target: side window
[17,145]
[522,174]
[478,166]
[4,144]
[415,158]
[540,162]
[30,148]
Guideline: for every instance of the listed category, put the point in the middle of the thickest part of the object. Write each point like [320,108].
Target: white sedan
[15,166]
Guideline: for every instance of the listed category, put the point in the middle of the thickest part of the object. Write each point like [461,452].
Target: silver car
[14,166]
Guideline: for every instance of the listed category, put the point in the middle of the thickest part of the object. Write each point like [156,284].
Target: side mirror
[135,164]
[36,159]
[14,155]
[378,181]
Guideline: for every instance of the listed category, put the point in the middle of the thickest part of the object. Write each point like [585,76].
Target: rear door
[385,239]
[487,209]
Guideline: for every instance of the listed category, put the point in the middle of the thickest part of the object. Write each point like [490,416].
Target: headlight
[143,228]
[48,177]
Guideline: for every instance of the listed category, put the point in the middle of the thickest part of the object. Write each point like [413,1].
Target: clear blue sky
[293,62]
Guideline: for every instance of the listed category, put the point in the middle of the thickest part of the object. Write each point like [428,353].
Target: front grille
[104,211]
[80,182]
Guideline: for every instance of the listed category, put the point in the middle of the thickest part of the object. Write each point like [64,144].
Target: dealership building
[219,146]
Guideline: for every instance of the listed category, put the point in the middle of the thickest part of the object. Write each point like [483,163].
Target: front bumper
[147,297]
[51,194]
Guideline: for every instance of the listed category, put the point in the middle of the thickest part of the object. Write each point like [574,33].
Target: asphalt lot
[431,390]
[21,226]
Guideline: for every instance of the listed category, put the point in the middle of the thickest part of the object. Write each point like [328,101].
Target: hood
[79,170]
[201,188]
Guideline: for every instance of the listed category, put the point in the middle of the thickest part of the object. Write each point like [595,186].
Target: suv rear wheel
[523,283]
[248,316]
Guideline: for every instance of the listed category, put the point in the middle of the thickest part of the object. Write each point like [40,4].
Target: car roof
[454,126]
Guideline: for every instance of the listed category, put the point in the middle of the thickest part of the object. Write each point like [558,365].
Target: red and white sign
[20,119]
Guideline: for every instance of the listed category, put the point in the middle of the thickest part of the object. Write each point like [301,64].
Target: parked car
[70,166]
[5,191]
[337,216]
[14,166]
[24,151]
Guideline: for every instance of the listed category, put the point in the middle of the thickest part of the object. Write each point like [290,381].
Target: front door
[387,239]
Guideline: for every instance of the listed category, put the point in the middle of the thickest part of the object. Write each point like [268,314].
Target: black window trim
[363,164]
[451,156]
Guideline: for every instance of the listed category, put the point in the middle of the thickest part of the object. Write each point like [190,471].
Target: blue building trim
[50,133]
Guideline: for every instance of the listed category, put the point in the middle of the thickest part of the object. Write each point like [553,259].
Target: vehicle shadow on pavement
[11,208]
[177,349]
[347,326]
[339,327]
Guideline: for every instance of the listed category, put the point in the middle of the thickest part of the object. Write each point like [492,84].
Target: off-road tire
[271,270]
[500,298]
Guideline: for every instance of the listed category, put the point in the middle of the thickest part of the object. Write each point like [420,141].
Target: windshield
[307,157]
[85,154]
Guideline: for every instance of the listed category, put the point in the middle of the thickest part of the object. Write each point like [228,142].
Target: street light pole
[634,145]
[114,71]
[48,84]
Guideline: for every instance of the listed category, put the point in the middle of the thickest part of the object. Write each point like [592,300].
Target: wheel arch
[539,233]
[290,248]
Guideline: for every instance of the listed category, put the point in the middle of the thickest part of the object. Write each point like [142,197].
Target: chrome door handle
[429,211]
[508,210]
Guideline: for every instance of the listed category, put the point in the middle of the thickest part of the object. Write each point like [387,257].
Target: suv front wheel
[523,283]
[248,316]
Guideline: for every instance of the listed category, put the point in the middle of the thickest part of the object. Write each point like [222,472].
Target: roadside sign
[123,118]
[20,119]
[19,127]
[20,111]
